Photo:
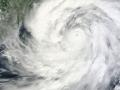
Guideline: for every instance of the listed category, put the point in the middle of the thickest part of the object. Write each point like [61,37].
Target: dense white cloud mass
[65,45]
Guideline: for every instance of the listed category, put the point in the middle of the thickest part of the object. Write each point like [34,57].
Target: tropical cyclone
[67,45]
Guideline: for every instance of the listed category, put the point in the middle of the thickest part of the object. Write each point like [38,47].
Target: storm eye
[24,34]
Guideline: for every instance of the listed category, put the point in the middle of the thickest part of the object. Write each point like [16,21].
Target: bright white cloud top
[66,45]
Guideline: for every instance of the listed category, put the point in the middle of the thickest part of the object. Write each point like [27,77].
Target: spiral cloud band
[64,45]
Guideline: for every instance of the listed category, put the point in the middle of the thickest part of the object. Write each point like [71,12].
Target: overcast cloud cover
[64,45]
